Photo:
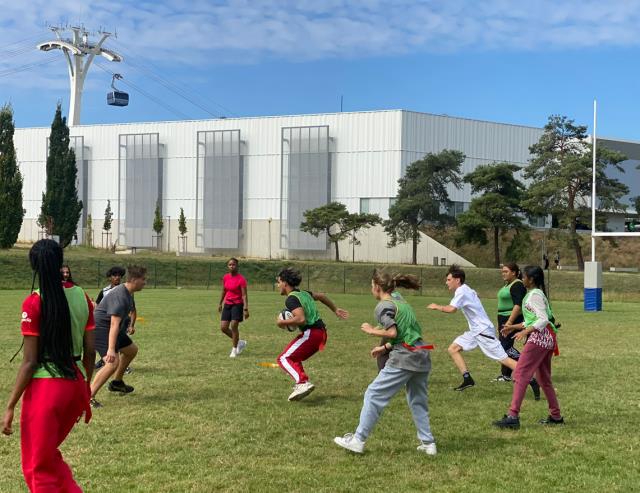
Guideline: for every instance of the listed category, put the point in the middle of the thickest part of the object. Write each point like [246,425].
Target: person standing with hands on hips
[233,306]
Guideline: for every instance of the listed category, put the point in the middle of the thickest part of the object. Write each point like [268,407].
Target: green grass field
[200,421]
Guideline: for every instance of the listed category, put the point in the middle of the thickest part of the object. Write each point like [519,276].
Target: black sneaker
[503,378]
[120,386]
[466,384]
[550,420]
[95,404]
[512,422]
[535,386]
[99,364]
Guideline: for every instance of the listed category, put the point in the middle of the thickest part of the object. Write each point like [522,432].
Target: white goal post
[593,269]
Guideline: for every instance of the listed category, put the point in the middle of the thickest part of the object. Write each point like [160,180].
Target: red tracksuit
[52,406]
[50,409]
[300,349]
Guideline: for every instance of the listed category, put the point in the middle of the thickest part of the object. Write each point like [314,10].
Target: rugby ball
[286,315]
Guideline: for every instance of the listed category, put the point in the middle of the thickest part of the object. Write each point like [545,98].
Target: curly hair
[291,276]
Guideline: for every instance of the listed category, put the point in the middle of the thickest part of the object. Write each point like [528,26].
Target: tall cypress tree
[61,208]
[10,182]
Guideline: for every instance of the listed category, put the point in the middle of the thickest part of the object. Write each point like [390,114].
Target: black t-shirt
[518,292]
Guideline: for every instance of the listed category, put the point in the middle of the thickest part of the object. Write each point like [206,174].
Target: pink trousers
[534,360]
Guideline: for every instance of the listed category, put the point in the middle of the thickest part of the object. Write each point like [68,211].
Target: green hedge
[166,271]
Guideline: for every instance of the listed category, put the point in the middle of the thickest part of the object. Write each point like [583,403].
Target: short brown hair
[136,272]
[457,273]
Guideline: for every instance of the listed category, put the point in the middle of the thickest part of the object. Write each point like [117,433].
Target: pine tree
[182,223]
[334,220]
[61,209]
[497,209]
[158,223]
[108,217]
[560,174]
[88,237]
[10,182]
[422,192]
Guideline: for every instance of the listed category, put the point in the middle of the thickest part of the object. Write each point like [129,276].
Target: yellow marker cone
[267,364]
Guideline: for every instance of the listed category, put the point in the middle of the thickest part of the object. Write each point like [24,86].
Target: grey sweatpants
[387,384]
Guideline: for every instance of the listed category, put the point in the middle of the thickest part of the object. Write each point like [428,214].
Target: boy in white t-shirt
[481,333]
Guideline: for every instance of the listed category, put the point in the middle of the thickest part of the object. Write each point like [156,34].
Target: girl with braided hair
[57,326]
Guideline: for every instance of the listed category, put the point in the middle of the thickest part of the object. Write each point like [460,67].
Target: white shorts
[490,347]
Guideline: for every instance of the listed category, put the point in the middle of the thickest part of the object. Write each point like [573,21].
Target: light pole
[270,238]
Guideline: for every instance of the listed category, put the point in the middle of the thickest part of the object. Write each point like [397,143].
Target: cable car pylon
[75,51]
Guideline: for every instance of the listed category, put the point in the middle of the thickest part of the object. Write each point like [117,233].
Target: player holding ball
[313,332]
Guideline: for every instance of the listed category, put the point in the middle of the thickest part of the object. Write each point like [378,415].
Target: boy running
[481,331]
[313,332]
[112,342]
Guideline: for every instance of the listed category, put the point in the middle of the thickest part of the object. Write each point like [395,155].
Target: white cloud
[248,31]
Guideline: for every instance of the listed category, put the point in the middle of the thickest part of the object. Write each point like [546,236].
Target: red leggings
[50,409]
[301,348]
[534,359]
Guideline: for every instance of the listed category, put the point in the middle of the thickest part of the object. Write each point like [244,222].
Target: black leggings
[507,343]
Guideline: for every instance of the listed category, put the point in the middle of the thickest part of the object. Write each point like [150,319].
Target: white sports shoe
[241,345]
[428,448]
[301,390]
[350,442]
[233,353]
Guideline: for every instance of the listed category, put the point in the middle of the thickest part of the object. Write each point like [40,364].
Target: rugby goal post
[593,269]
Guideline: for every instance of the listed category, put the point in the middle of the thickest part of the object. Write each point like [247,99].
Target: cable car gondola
[115,97]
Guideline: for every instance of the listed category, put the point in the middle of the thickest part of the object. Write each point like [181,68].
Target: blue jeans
[387,384]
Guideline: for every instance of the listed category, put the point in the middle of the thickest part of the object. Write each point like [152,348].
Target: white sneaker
[301,390]
[241,345]
[428,448]
[233,353]
[350,442]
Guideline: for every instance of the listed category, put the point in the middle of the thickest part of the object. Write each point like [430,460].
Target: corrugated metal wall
[364,147]
[482,142]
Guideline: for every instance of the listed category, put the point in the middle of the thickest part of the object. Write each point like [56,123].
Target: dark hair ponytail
[513,267]
[55,344]
[536,274]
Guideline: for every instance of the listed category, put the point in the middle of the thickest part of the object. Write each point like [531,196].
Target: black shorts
[102,342]
[232,312]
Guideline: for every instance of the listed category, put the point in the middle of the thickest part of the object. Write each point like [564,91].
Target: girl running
[536,356]
[408,365]
[313,332]
[233,306]
[57,325]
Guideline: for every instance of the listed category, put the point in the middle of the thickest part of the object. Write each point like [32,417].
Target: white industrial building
[244,182]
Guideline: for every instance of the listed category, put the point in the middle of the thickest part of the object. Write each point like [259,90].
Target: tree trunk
[416,238]
[337,252]
[575,241]
[496,246]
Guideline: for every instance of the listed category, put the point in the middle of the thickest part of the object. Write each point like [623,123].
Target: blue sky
[494,60]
